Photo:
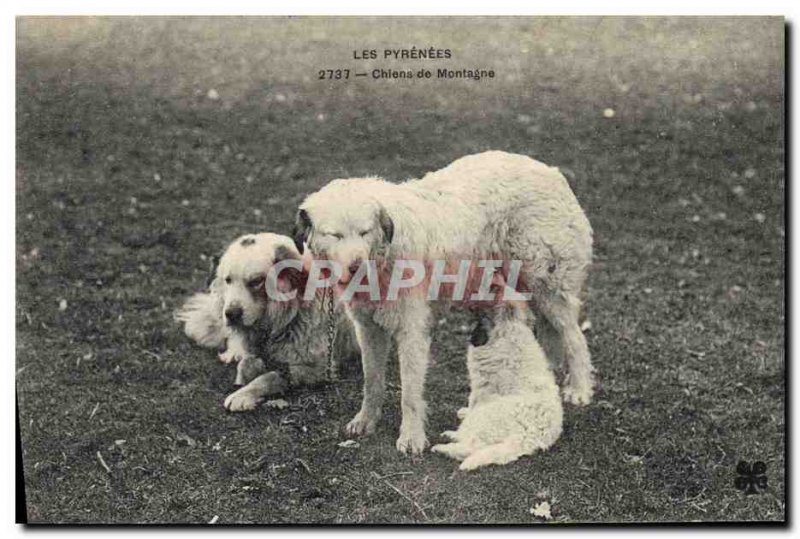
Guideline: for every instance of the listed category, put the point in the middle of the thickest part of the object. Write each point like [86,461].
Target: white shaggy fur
[288,336]
[514,408]
[484,204]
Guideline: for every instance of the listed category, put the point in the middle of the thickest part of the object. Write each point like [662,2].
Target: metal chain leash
[331,331]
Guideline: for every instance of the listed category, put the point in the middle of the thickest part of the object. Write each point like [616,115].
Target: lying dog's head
[240,278]
[344,222]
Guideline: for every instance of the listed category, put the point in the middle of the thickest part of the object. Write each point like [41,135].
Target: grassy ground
[127,171]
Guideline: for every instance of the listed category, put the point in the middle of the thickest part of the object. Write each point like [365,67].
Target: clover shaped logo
[751,479]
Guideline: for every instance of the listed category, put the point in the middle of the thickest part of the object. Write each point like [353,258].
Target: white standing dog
[480,206]
[514,408]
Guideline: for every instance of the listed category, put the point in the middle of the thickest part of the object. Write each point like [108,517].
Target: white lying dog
[289,339]
[488,205]
[514,408]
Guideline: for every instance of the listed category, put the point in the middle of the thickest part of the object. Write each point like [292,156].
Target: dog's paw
[242,401]
[579,395]
[470,463]
[453,450]
[442,449]
[361,425]
[451,435]
[228,356]
[411,441]
[462,412]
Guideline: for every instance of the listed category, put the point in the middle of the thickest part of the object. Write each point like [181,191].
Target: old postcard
[401,270]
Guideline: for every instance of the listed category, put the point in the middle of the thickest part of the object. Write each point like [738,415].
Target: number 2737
[333,74]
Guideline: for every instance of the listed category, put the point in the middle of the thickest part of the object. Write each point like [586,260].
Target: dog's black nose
[234,314]
[480,334]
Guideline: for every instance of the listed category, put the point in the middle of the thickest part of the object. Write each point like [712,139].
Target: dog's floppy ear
[302,229]
[213,264]
[387,225]
[289,278]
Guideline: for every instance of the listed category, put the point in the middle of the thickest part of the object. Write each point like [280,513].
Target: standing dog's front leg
[374,342]
[413,350]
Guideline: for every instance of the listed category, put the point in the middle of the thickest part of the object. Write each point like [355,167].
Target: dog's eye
[256,282]
[228,280]
[335,235]
[364,232]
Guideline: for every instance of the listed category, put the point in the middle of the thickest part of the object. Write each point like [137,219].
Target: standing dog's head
[344,222]
[240,277]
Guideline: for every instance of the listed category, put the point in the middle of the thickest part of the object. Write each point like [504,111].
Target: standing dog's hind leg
[562,313]
[551,343]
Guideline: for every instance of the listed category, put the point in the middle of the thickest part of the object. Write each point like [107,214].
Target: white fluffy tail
[202,319]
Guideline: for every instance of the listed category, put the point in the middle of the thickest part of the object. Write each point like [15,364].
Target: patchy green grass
[127,172]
